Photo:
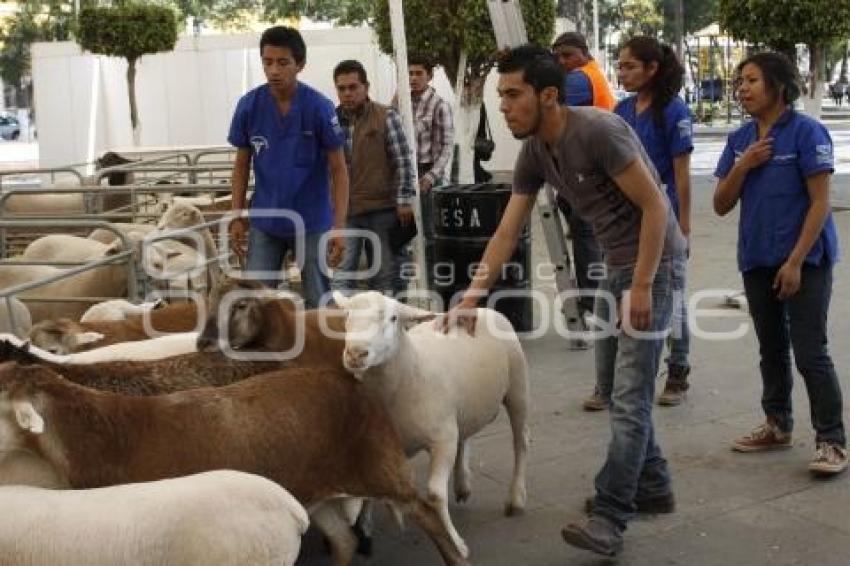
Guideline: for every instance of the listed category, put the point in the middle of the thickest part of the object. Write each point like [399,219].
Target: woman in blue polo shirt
[662,121]
[779,165]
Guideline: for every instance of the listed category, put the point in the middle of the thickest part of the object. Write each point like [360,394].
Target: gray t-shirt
[596,146]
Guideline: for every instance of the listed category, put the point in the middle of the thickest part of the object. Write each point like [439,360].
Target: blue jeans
[799,323]
[635,467]
[680,337]
[378,222]
[266,253]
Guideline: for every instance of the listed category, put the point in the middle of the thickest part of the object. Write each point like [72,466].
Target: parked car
[10,129]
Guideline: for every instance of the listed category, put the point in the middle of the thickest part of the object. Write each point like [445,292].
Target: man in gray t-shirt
[596,161]
[582,164]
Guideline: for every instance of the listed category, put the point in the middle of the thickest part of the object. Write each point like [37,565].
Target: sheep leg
[331,520]
[443,455]
[462,479]
[517,406]
[429,520]
[364,526]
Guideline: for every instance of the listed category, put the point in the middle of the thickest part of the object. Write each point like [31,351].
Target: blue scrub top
[774,197]
[289,156]
[577,89]
[663,142]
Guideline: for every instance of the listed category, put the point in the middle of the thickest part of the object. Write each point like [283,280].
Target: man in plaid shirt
[382,186]
[434,127]
[432,120]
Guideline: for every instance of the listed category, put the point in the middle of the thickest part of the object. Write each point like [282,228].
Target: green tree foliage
[36,20]
[781,24]
[784,23]
[641,17]
[441,29]
[129,31]
[237,14]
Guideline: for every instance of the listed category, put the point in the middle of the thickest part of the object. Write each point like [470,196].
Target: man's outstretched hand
[463,315]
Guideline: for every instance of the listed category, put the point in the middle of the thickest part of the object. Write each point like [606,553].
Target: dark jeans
[380,260]
[798,323]
[586,252]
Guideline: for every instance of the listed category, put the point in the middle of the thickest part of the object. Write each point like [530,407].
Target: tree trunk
[134,113]
[842,76]
[679,27]
[813,101]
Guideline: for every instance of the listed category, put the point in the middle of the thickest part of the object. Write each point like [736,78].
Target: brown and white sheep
[65,336]
[317,435]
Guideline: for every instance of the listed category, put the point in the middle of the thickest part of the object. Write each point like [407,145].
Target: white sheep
[117,309]
[440,389]
[214,518]
[140,350]
[104,281]
[68,248]
[171,259]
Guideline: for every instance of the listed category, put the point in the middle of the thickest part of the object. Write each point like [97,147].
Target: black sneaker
[656,505]
[597,534]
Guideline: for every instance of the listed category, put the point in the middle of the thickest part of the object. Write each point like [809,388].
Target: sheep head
[237,307]
[373,327]
[62,336]
[180,215]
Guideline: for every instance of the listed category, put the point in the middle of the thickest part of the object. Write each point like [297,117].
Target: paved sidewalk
[733,509]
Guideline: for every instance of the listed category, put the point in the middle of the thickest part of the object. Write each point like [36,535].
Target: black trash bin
[465,218]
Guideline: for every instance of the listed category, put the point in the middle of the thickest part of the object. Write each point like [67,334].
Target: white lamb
[215,518]
[140,350]
[440,389]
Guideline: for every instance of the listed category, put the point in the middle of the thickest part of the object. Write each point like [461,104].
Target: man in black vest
[382,186]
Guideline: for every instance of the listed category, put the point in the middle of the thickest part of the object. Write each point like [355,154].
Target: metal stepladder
[509,29]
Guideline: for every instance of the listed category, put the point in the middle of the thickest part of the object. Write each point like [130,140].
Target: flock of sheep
[214,442]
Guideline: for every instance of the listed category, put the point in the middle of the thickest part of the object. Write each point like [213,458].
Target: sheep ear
[85,338]
[114,248]
[27,417]
[341,300]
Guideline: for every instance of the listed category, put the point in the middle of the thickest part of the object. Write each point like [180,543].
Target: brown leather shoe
[596,402]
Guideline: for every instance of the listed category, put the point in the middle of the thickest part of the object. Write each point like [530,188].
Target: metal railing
[126,255]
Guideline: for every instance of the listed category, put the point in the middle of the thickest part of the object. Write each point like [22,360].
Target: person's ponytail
[668,78]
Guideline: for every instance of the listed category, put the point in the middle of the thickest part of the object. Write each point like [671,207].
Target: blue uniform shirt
[577,89]
[289,156]
[663,144]
[774,197]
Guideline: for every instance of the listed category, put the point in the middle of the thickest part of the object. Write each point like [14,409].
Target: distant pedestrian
[779,165]
[664,125]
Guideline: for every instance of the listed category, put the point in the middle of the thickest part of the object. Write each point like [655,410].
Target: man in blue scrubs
[291,134]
